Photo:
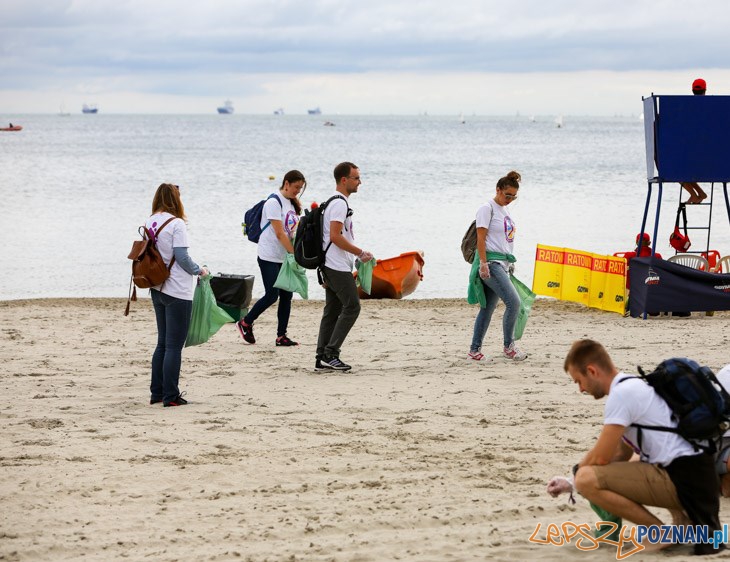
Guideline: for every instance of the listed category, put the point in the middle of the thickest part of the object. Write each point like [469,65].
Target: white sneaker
[476,356]
[513,353]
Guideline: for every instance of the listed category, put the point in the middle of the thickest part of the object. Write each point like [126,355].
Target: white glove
[559,485]
[484,270]
[204,272]
[365,257]
[511,269]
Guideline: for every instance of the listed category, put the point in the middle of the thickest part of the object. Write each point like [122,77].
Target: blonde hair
[167,200]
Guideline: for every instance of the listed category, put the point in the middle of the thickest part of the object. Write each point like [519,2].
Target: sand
[415,455]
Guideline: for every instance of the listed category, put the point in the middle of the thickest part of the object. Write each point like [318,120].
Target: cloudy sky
[487,57]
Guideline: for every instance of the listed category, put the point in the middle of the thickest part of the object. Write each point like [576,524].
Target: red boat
[12,128]
[395,278]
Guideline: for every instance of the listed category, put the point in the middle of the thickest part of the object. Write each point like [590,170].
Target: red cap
[699,84]
[644,236]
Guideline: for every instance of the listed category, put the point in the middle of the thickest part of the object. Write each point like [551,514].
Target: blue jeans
[173,319]
[498,286]
[269,273]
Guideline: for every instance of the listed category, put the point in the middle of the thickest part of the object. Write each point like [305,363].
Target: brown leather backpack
[148,267]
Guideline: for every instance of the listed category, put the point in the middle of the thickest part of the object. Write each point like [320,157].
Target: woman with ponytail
[279,221]
[495,238]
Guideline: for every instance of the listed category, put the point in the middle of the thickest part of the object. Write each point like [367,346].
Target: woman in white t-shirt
[495,238]
[173,300]
[279,221]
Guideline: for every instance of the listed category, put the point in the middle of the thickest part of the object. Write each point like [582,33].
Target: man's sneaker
[513,353]
[155,400]
[283,341]
[331,364]
[476,356]
[179,401]
[246,331]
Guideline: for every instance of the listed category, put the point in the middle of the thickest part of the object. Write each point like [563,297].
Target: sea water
[74,189]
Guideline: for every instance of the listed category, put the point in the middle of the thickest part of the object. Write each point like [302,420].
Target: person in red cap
[696,193]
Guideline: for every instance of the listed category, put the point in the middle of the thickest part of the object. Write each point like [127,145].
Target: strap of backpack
[164,224]
[681,211]
[324,205]
[268,223]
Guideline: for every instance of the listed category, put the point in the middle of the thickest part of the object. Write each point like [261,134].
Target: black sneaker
[246,331]
[283,341]
[331,364]
[155,400]
[179,401]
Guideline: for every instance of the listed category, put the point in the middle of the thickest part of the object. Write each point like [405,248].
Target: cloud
[165,47]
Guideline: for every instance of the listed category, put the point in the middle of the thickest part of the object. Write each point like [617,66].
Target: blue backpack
[252,219]
[699,403]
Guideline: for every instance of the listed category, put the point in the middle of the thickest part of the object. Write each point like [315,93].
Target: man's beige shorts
[644,483]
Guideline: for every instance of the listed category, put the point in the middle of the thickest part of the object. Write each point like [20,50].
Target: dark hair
[292,176]
[510,180]
[587,352]
[343,170]
[167,200]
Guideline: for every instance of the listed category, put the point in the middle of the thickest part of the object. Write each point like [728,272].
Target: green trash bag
[207,317]
[527,297]
[365,275]
[607,517]
[293,277]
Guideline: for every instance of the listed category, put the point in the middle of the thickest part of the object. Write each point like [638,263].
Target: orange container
[395,278]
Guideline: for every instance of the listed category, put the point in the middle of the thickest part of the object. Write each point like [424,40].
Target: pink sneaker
[513,353]
[476,356]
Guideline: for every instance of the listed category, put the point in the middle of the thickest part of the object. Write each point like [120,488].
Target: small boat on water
[86,108]
[226,108]
[395,278]
[315,111]
[11,128]
[279,111]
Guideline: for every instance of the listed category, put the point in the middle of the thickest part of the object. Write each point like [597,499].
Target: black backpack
[308,250]
[699,403]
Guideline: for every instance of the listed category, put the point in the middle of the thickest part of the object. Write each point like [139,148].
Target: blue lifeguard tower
[687,140]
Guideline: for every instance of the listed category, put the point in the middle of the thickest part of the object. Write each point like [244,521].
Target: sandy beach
[415,455]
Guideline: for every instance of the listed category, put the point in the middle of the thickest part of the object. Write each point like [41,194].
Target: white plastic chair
[691,260]
[723,265]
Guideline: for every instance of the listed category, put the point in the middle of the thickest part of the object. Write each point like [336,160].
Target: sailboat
[559,121]
[461,118]
[62,111]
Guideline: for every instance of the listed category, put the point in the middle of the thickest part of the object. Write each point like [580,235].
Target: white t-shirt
[174,235]
[723,375]
[501,229]
[337,258]
[634,401]
[270,249]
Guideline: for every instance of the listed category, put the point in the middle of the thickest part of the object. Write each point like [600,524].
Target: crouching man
[671,473]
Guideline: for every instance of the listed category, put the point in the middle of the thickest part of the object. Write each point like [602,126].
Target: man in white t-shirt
[670,474]
[342,303]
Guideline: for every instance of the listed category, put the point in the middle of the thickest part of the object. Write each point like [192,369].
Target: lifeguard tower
[687,140]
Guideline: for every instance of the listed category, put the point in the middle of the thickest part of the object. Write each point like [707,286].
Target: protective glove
[365,257]
[484,270]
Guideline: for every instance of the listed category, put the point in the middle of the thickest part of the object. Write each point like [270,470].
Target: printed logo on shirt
[509,229]
[290,223]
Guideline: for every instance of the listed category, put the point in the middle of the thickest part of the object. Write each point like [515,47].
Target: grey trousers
[341,309]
